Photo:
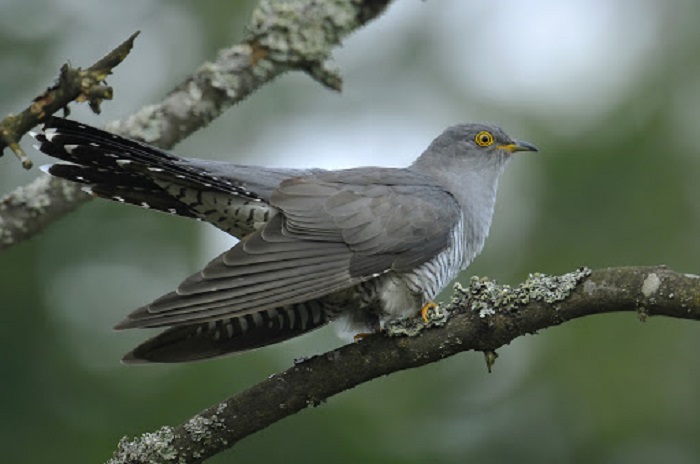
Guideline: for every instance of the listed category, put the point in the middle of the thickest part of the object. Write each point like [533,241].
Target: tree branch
[73,84]
[483,317]
[283,36]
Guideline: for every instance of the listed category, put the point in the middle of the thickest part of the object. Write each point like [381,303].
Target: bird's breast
[403,294]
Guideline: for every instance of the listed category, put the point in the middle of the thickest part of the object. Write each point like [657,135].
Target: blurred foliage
[615,184]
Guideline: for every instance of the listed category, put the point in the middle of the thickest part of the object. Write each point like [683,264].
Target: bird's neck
[475,191]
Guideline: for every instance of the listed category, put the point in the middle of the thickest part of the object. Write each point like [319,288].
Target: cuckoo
[360,246]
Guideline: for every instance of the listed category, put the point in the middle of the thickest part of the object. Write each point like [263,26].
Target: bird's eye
[484,139]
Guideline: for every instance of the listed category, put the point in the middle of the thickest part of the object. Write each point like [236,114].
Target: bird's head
[471,146]
[483,139]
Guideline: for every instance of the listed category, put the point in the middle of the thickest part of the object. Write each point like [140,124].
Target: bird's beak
[518,145]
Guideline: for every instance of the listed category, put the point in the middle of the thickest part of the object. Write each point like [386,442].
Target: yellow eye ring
[484,139]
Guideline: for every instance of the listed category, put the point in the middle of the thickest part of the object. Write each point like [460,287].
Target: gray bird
[361,246]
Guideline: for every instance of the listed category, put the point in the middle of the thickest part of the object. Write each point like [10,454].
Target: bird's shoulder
[369,193]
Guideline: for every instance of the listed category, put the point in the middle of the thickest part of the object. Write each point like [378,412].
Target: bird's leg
[374,327]
[424,310]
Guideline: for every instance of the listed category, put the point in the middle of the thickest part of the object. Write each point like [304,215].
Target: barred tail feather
[124,170]
[117,158]
[216,338]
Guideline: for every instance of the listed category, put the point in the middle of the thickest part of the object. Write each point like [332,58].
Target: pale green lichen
[412,326]
[223,74]
[221,408]
[285,35]
[44,195]
[146,125]
[651,285]
[155,447]
[204,430]
[296,31]
[36,196]
[488,296]
[200,428]
[192,100]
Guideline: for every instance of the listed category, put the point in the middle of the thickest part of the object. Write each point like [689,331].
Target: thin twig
[73,84]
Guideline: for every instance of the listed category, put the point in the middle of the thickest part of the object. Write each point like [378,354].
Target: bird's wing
[335,230]
[391,219]
[233,197]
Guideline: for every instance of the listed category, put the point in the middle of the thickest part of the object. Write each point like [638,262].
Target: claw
[359,337]
[424,310]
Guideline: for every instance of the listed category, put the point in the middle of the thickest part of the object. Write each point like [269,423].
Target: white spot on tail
[155,169]
[87,189]
[145,205]
[172,210]
[123,162]
[118,198]
[69,148]
[49,134]
[94,144]
[32,134]
[46,168]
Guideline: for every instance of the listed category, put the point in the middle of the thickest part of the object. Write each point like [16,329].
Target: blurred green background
[608,89]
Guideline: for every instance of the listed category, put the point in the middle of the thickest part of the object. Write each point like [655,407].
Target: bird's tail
[121,169]
[216,338]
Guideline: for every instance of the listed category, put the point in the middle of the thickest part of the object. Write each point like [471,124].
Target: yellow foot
[424,310]
[360,336]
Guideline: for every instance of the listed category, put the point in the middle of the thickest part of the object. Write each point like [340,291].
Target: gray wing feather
[397,219]
[334,230]
[174,309]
